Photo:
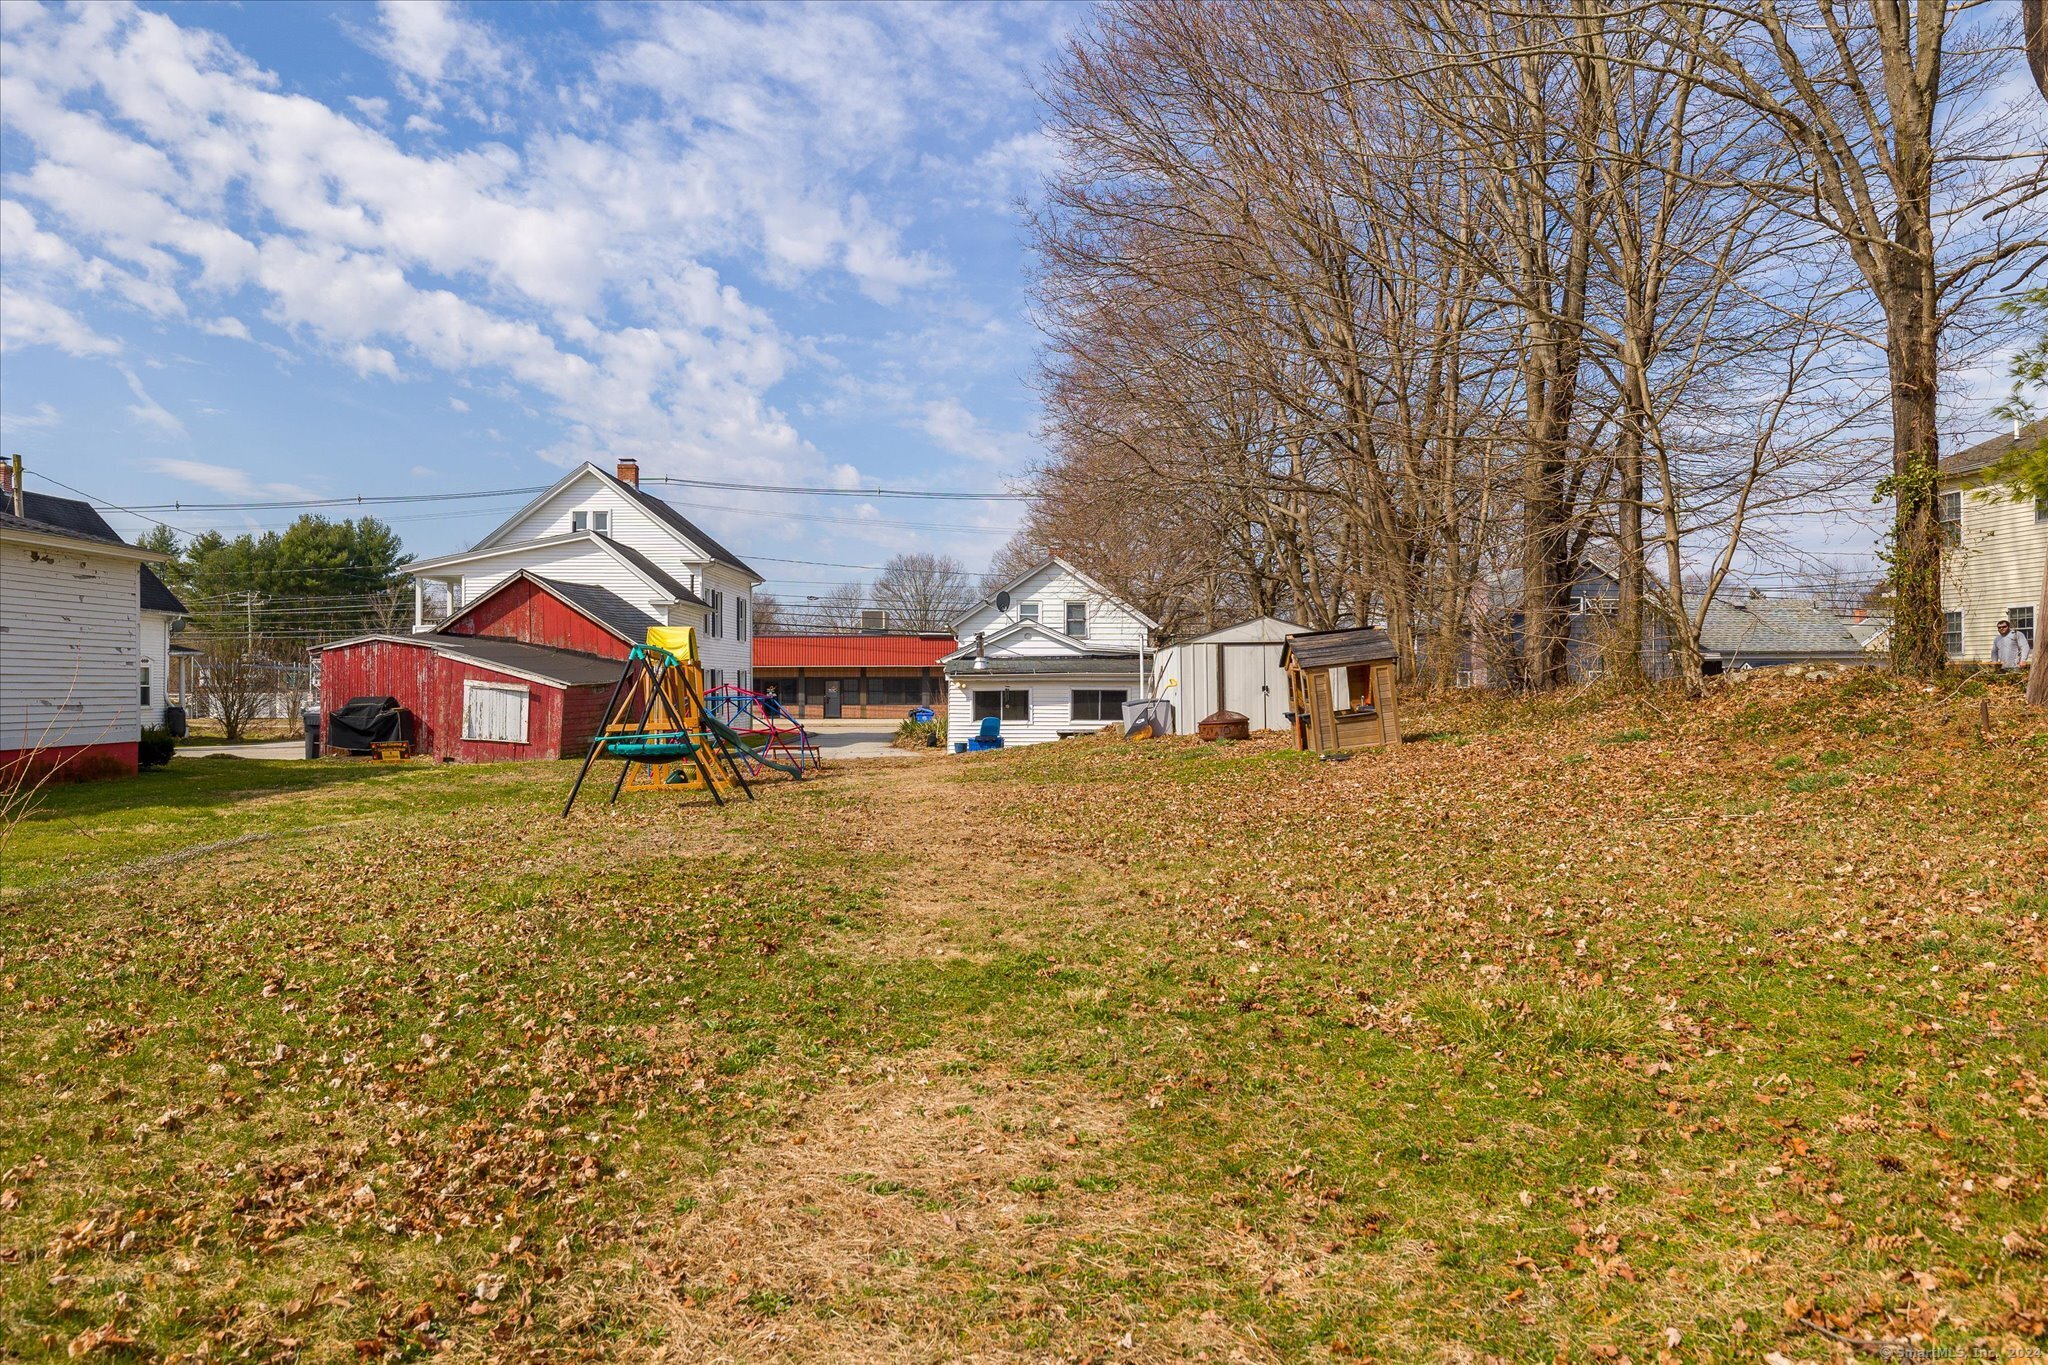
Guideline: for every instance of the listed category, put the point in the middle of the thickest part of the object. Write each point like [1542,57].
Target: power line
[379,499]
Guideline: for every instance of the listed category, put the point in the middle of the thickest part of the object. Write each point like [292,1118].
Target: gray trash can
[312,723]
[174,721]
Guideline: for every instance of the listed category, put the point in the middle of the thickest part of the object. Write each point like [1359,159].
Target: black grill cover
[366,721]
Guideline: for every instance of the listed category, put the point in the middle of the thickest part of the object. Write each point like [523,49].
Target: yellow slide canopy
[680,641]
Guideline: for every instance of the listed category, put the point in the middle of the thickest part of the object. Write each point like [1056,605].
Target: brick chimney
[10,486]
[629,473]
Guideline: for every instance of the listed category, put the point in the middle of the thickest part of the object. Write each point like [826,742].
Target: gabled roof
[625,554]
[1039,665]
[1069,646]
[1987,453]
[601,606]
[1259,629]
[655,507]
[1054,561]
[157,597]
[1338,648]
[1738,625]
[109,544]
[68,514]
[515,658]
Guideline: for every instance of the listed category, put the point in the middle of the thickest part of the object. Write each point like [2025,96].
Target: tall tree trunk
[1916,443]
[1627,666]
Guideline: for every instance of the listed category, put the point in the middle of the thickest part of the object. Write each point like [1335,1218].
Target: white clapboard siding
[725,652]
[69,648]
[1998,565]
[1051,705]
[495,711]
[156,657]
[1112,625]
[581,562]
[631,524]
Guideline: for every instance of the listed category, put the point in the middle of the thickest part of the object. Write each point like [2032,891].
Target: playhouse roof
[1337,648]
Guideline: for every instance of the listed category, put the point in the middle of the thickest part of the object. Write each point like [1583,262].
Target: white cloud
[38,418]
[955,429]
[147,411]
[420,471]
[457,404]
[26,320]
[571,270]
[225,479]
[430,42]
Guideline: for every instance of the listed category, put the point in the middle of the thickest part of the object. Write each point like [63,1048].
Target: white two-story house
[1997,548]
[603,530]
[1054,653]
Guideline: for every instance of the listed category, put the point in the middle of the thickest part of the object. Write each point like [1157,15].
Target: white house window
[1077,620]
[2041,509]
[1009,705]
[1951,513]
[494,712]
[145,669]
[1090,704]
[595,519]
[714,625]
[1027,611]
[739,618]
[2022,619]
[1952,633]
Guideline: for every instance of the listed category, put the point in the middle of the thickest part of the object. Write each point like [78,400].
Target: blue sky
[270,251]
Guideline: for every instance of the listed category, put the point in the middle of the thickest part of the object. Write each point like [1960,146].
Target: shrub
[920,734]
[156,747]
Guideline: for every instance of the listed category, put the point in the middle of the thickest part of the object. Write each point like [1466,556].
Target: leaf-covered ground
[1576,1030]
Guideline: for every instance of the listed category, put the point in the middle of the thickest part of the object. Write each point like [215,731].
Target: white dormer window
[1027,611]
[597,520]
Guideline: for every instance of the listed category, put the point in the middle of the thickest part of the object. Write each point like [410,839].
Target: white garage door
[1251,684]
[494,711]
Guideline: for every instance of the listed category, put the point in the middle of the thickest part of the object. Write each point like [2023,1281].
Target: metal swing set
[665,736]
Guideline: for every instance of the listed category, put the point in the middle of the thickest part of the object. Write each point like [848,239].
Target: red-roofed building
[879,677]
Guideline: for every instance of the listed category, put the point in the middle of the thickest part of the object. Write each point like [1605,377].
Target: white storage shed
[1233,669]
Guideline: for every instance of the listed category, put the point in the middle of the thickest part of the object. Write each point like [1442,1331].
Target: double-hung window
[714,625]
[2022,619]
[1952,633]
[145,672]
[1027,611]
[740,618]
[1950,510]
[591,519]
[1077,620]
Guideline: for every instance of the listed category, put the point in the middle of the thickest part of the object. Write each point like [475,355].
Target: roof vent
[873,620]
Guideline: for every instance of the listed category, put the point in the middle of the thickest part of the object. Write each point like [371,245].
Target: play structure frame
[657,723]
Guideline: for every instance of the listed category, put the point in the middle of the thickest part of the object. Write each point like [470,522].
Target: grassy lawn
[1578,1029]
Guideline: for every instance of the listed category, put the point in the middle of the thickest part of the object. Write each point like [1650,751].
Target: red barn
[522,672]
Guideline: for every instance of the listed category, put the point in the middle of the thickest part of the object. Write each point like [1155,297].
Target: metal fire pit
[1224,725]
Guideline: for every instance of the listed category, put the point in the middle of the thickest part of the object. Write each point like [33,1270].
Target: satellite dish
[1002,601]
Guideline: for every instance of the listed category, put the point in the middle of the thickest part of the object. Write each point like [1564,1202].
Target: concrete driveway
[855,738]
[269,748]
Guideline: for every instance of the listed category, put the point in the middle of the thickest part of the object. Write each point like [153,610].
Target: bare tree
[1925,196]
[921,591]
[767,614]
[244,679]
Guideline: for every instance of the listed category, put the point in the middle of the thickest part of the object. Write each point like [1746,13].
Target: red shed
[522,672]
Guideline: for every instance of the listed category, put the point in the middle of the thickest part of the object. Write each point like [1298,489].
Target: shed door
[494,711]
[1253,685]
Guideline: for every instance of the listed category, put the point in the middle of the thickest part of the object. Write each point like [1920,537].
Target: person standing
[2009,648]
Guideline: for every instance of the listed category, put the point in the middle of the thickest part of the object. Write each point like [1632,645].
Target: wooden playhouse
[1340,689]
